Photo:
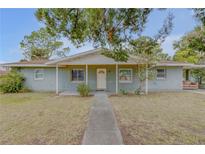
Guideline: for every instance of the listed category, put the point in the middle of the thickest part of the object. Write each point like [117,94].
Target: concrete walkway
[102,126]
[199,91]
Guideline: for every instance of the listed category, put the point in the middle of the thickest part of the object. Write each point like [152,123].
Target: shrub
[124,92]
[83,89]
[25,90]
[11,82]
[137,91]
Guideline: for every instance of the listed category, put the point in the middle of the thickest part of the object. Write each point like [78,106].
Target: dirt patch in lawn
[161,118]
[42,118]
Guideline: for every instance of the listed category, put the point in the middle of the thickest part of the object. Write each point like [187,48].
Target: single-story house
[97,71]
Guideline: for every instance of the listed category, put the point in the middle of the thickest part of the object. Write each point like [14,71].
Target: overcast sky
[16,23]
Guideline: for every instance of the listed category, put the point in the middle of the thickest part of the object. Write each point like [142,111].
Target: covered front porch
[107,77]
[95,70]
[75,93]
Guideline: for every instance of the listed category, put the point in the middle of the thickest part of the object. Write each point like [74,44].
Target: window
[161,73]
[38,74]
[125,75]
[77,75]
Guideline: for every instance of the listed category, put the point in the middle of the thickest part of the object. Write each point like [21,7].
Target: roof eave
[179,65]
[74,56]
[195,67]
[27,65]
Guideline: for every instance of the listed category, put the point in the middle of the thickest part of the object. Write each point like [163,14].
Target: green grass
[42,118]
[161,118]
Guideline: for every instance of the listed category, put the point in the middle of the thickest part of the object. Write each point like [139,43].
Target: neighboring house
[4,70]
[97,71]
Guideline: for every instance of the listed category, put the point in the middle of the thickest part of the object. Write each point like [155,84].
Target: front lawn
[161,118]
[42,118]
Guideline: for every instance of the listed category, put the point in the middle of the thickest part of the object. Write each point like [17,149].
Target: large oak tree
[109,28]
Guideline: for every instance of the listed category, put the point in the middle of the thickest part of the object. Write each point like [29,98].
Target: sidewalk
[199,91]
[102,126]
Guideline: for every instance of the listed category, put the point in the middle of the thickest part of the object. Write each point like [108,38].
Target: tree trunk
[200,80]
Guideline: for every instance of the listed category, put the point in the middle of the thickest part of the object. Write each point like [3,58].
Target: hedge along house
[98,72]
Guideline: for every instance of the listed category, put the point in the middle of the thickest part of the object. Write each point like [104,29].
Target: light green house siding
[173,80]
[65,82]
[132,86]
[47,84]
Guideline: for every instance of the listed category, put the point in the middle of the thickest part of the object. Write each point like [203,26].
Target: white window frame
[124,81]
[35,74]
[78,69]
[165,74]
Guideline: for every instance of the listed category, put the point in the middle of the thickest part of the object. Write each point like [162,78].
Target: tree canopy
[199,14]
[109,28]
[41,45]
[147,49]
[191,47]
[104,27]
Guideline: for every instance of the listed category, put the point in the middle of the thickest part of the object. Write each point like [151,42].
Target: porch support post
[86,78]
[116,78]
[187,75]
[56,78]
[146,80]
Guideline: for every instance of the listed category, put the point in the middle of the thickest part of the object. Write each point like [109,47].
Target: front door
[101,79]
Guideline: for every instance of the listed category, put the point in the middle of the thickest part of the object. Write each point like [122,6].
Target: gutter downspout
[57,79]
